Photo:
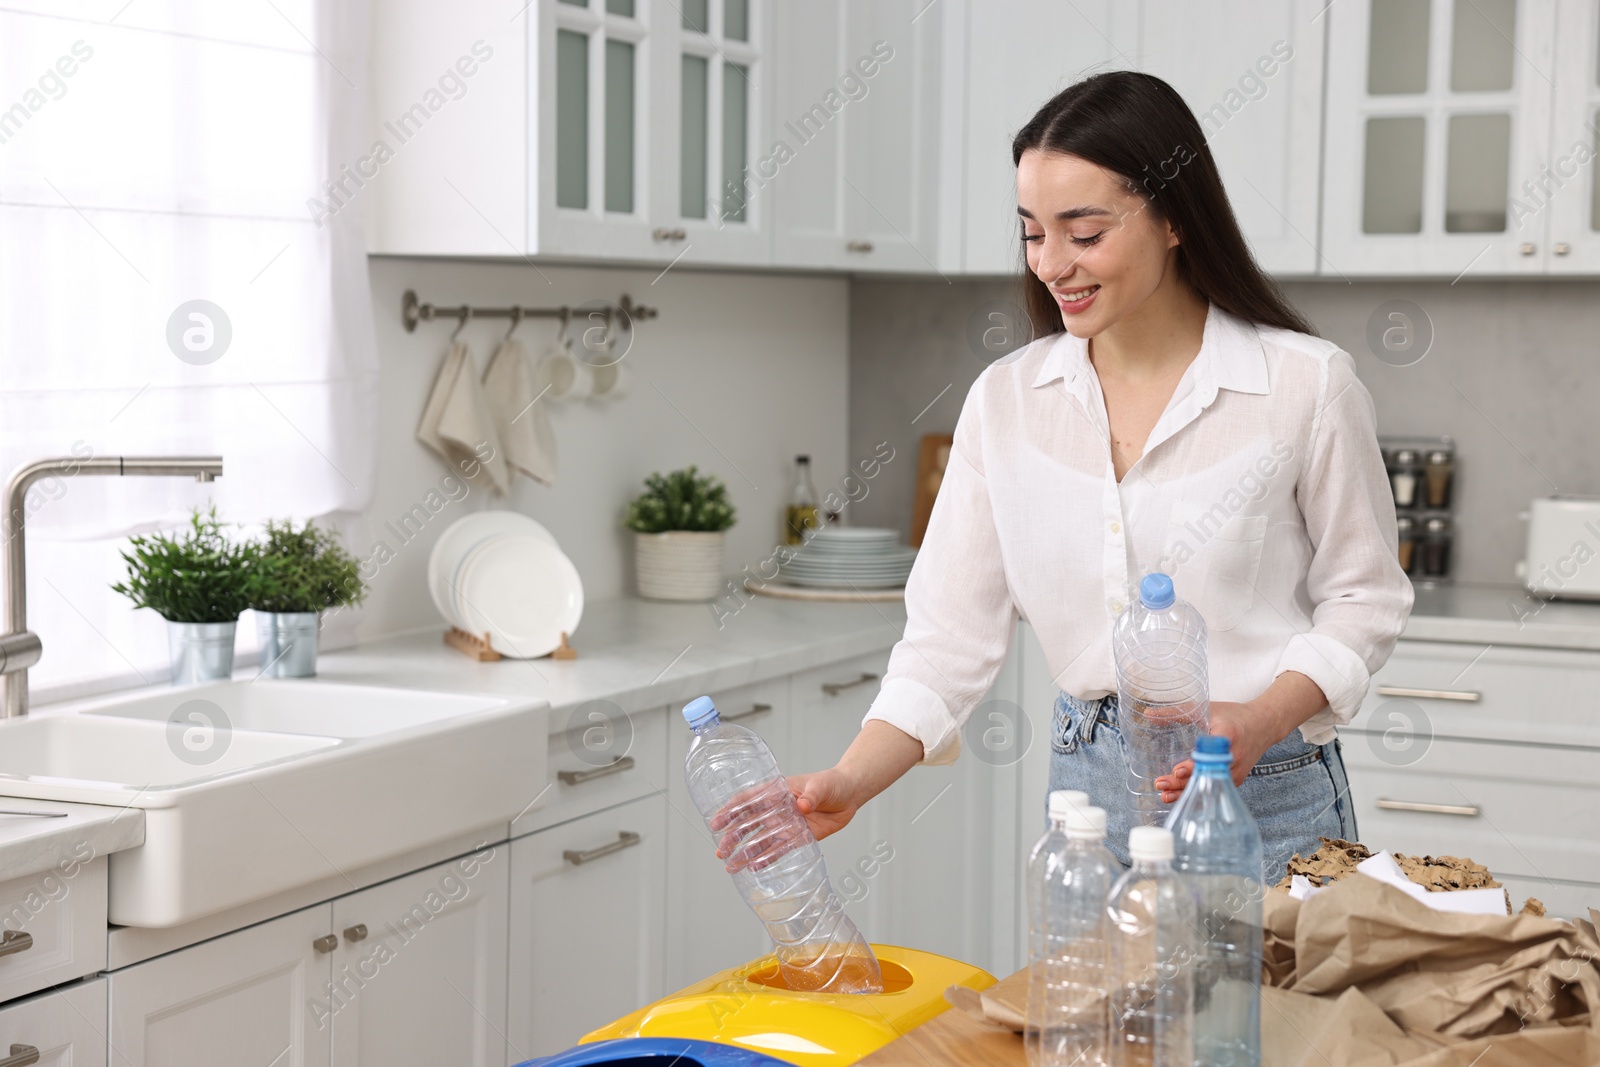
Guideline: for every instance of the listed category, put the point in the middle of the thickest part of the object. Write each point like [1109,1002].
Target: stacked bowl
[502,574]
[861,557]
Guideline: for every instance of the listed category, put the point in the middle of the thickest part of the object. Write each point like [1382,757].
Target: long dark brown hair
[1138,127]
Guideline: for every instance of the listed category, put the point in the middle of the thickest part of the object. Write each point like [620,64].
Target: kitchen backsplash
[1507,373]
[738,374]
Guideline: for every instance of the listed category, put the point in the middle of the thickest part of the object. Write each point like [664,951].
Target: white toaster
[1563,558]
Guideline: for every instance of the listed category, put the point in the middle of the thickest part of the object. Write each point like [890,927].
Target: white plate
[522,591]
[846,583]
[458,539]
[855,533]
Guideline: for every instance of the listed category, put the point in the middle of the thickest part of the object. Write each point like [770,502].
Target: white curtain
[167,288]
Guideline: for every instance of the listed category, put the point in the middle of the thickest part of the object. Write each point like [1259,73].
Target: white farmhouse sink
[253,788]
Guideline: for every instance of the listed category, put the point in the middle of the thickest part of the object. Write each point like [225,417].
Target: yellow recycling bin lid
[749,1007]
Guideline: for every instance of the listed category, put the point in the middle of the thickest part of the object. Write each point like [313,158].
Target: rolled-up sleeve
[1361,598]
[959,610]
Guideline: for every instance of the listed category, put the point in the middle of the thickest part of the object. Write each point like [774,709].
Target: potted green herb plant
[679,524]
[199,582]
[305,571]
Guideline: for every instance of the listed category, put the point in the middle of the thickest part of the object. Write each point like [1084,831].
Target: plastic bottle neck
[1207,768]
[706,724]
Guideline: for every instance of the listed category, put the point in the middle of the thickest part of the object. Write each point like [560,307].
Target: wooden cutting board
[956,1039]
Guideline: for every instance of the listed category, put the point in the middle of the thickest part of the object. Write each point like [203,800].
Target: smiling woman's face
[1098,247]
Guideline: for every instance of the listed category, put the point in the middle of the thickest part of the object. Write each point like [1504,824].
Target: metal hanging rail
[624,310]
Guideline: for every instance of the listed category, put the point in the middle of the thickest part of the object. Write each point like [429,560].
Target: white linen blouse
[1261,490]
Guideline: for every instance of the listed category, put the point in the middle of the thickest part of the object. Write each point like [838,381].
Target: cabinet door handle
[358,932]
[1528,248]
[1469,696]
[1561,248]
[833,689]
[755,709]
[326,943]
[578,857]
[21,1056]
[15,941]
[1471,811]
[858,246]
[664,234]
[616,766]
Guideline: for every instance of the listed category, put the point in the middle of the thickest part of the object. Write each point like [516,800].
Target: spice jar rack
[1423,476]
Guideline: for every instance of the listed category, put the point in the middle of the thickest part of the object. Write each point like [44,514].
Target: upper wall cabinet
[1251,71]
[1565,188]
[586,129]
[856,155]
[1438,128]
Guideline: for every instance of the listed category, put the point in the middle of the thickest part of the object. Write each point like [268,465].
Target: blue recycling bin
[657,1052]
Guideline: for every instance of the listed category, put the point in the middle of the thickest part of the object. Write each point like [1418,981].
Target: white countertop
[1502,615]
[32,845]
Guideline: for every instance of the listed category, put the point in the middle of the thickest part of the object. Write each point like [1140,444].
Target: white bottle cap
[1086,824]
[1063,801]
[1150,844]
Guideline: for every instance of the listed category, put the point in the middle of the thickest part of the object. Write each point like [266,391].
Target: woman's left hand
[1249,732]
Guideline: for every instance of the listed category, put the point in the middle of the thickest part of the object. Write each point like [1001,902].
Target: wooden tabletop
[953,1039]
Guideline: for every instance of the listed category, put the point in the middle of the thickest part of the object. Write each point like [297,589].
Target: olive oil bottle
[801,514]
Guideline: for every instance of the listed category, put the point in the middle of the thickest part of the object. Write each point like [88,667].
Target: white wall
[755,366]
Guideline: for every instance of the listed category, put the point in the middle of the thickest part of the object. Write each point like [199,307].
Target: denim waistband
[1288,754]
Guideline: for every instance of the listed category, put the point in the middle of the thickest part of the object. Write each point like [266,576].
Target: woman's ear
[1173,241]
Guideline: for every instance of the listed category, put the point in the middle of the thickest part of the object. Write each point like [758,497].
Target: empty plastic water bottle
[1150,920]
[1217,851]
[1163,689]
[773,857]
[1069,878]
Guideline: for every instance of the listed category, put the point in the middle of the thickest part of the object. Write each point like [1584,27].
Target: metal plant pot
[288,643]
[201,651]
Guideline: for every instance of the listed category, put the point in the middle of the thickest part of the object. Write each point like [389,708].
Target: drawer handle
[858,246]
[1468,696]
[324,944]
[663,234]
[755,709]
[616,766]
[833,689]
[13,942]
[21,1056]
[358,932]
[577,857]
[1471,811]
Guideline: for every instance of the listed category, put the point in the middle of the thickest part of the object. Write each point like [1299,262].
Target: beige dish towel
[456,422]
[521,412]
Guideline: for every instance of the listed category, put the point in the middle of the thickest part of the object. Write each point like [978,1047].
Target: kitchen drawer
[62,913]
[67,1027]
[1541,696]
[1521,810]
[609,757]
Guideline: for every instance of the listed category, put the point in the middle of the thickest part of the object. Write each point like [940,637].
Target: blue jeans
[1297,793]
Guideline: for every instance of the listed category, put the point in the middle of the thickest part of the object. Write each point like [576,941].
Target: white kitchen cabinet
[587,925]
[1439,113]
[1018,55]
[710,927]
[420,972]
[67,1027]
[587,129]
[827,705]
[1565,187]
[855,171]
[256,996]
[1251,71]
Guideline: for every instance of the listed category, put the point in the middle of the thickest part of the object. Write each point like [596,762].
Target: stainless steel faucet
[20,648]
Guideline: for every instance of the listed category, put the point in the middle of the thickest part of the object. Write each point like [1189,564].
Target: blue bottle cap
[699,711]
[1212,749]
[1155,591]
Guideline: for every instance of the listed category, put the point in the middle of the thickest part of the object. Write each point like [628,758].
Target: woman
[1175,414]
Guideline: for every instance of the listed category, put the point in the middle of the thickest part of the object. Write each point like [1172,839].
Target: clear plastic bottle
[1163,689]
[1069,878]
[1217,851]
[1149,924]
[773,857]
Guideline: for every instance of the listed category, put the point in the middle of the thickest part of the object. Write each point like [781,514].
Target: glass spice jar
[1405,477]
[1437,474]
[1436,548]
[1407,528]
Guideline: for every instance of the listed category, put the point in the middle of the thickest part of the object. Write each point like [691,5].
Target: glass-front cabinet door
[1438,122]
[592,146]
[710,106]
[1567,190]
